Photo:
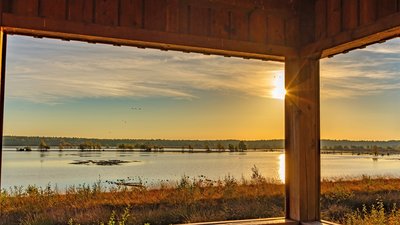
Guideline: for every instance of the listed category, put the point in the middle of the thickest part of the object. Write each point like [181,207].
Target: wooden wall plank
[184,17]
[199,21]
[292,29]
[350,14]
[106,12]
[25,7]
[239,25]
[131,13]
[386,7]
[307,22]
[334,21]
[172,16]
[54,9]
[275,29]
[220,23]
[75,10]
[258,26]
[155,14]
[320,19]
[398,5]
[367,11]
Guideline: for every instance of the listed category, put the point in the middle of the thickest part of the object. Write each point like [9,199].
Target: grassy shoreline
[189,200]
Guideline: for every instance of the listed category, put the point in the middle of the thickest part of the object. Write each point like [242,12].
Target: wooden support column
[3,49]
[302,139]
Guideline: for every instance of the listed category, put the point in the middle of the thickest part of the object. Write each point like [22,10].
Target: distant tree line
[61,143]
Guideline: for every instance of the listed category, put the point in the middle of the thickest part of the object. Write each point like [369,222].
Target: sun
[279,90]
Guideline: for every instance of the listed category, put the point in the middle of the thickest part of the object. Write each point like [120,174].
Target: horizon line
[226,139]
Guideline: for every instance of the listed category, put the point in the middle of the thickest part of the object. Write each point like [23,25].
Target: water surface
[53,167]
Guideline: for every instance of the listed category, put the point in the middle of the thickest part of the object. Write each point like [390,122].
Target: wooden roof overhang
[297,32]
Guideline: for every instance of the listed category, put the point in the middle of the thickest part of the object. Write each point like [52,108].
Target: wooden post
[302,139]
[3,49]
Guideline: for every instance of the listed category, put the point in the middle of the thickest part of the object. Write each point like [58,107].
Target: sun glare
[279,90]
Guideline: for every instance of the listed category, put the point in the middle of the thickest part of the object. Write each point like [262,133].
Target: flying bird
[136,108]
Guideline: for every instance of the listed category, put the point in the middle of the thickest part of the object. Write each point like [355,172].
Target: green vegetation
[43,145]
[327,146]
[89,145]
[377,215]
[197,199]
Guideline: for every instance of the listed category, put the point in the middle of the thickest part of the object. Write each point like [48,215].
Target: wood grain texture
[292,29]
[131,13]
[172,16]
[25,7]
[95,33]
[350,14]
[383,29]
[386,7]
[220,23]
[106,12]
[155,13]
[258,26]
[275,29]
[368,11]
[239,25]
[199,21]
[334,17]
[320,19]
[54,9]
[302,138]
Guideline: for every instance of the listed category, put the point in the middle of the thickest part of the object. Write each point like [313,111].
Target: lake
[53,167]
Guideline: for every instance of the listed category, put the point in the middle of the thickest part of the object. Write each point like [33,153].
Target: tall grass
[195,200]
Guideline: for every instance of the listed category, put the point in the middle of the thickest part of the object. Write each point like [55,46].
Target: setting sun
[279,90]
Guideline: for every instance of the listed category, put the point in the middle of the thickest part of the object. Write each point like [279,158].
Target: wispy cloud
[51,71]
[370,71]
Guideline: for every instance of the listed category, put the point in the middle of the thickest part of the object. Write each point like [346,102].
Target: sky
[76,89]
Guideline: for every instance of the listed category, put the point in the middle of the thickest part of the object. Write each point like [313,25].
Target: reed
[193,200]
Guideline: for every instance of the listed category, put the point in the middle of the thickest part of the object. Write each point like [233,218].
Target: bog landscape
[205,112]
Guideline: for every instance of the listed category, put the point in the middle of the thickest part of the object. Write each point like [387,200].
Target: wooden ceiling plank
[257,26]
[54,9]
[155,14]
[106,12]
[131,13]
[239,25]
[172,16]
[386,7]
[25,7]
[142,37]
[383,29]
[275,30]
[367,11]
[350,14]
[334,23]
[320,19]
[199,20]
[220,23]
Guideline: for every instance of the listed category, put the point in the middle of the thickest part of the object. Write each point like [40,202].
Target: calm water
[23,168]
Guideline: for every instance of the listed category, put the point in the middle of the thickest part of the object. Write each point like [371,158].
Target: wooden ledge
[267,221]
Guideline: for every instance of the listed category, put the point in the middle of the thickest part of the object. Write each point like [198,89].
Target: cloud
[51,71]
[370,71]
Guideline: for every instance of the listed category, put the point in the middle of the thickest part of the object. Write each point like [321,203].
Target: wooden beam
[302,139]
[35,26]
[3,49]
[264,221]
[382,29]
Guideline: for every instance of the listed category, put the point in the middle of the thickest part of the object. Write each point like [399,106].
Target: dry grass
[193,200]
